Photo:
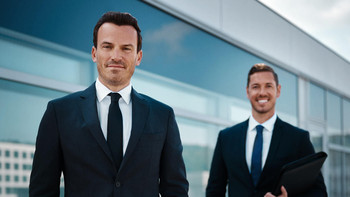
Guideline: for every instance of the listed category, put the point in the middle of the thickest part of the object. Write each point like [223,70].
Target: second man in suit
[248,156]
[109,140]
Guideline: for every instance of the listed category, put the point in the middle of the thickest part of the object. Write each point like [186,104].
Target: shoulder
[235,129]
[151,102]
[72,98]
[67,98]
[289,128]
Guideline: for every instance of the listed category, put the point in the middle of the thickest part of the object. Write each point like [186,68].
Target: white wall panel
[258,28]
[319,63]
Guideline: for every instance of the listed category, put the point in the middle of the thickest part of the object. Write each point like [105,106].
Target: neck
[115,87]
[262,117]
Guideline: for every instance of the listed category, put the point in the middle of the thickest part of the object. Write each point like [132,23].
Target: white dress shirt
[267,135]
[103,101]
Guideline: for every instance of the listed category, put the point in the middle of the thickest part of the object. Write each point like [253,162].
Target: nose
[116,55]
[263,91]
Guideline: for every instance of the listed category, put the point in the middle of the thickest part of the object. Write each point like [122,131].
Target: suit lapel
[242,147]
[241,142]
[275,143]
[89,110]
[140,111]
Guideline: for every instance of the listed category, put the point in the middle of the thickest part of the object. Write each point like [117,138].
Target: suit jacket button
[117,184]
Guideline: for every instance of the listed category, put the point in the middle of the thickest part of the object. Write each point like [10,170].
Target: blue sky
[326,20]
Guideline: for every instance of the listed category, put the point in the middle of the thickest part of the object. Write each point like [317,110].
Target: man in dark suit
[249,155]
[130,149]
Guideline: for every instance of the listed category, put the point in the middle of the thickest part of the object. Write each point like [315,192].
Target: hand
[283,190]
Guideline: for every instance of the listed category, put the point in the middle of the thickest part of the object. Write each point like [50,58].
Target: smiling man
[248,156]
[109,140]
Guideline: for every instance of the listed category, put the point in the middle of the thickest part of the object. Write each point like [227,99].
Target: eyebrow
[124,45]
[252,84]
[262,84]
[105,42]
[128,45]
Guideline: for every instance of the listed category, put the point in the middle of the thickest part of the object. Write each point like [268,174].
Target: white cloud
[338,13]
[171,35]
[325,20]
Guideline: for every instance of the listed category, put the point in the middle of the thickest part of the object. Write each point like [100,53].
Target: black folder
[301,174]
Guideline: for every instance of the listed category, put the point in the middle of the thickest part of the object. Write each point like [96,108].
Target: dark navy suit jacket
[229,166]
[70,140]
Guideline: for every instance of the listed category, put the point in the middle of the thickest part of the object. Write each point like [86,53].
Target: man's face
[262,92]
[116,55]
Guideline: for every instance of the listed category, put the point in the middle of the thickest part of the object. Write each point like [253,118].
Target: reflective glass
[347,175]
[176,94]
[239,110]
[334,118]
[45,62]
[316,134]
[21,109]
[335,174]
[346,123]
[199,141]
[286,104]
[172,48]
[316,102]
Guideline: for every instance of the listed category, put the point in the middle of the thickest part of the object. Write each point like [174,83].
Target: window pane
[22,107]
[346,122]
[45,62]
[25,104]
[199,141]
[316,102]
[286,105]
[347,175]
[335,175]
[316,134]
[175,94]
[333,118]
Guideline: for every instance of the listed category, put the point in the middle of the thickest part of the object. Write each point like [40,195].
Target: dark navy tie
[115,129]
[257,155]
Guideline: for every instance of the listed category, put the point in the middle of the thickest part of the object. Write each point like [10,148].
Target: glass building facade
[45,54]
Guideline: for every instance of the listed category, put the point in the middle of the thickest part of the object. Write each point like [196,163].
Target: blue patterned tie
[257,155]
[115,129]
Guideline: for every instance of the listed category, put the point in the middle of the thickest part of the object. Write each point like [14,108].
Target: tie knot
[114,97]
[259,128]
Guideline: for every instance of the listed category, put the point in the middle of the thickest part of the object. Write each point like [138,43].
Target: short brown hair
[118,18]
[261,67]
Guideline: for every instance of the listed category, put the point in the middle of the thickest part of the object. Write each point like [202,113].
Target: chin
[261,110]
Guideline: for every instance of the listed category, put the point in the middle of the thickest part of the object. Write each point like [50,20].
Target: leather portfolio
[301,174]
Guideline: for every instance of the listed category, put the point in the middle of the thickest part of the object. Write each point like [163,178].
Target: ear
[139,57]
[278,90]
[247,91]
[93,54]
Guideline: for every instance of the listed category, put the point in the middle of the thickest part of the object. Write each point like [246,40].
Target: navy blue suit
[229,166]
[70,140]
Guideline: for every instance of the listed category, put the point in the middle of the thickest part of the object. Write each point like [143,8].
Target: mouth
[115,64]
[263,101]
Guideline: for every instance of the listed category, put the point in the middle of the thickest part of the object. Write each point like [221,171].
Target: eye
[106,46]
[127,49]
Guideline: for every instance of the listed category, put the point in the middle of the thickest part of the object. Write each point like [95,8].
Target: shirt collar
[268,125]
[102,91]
